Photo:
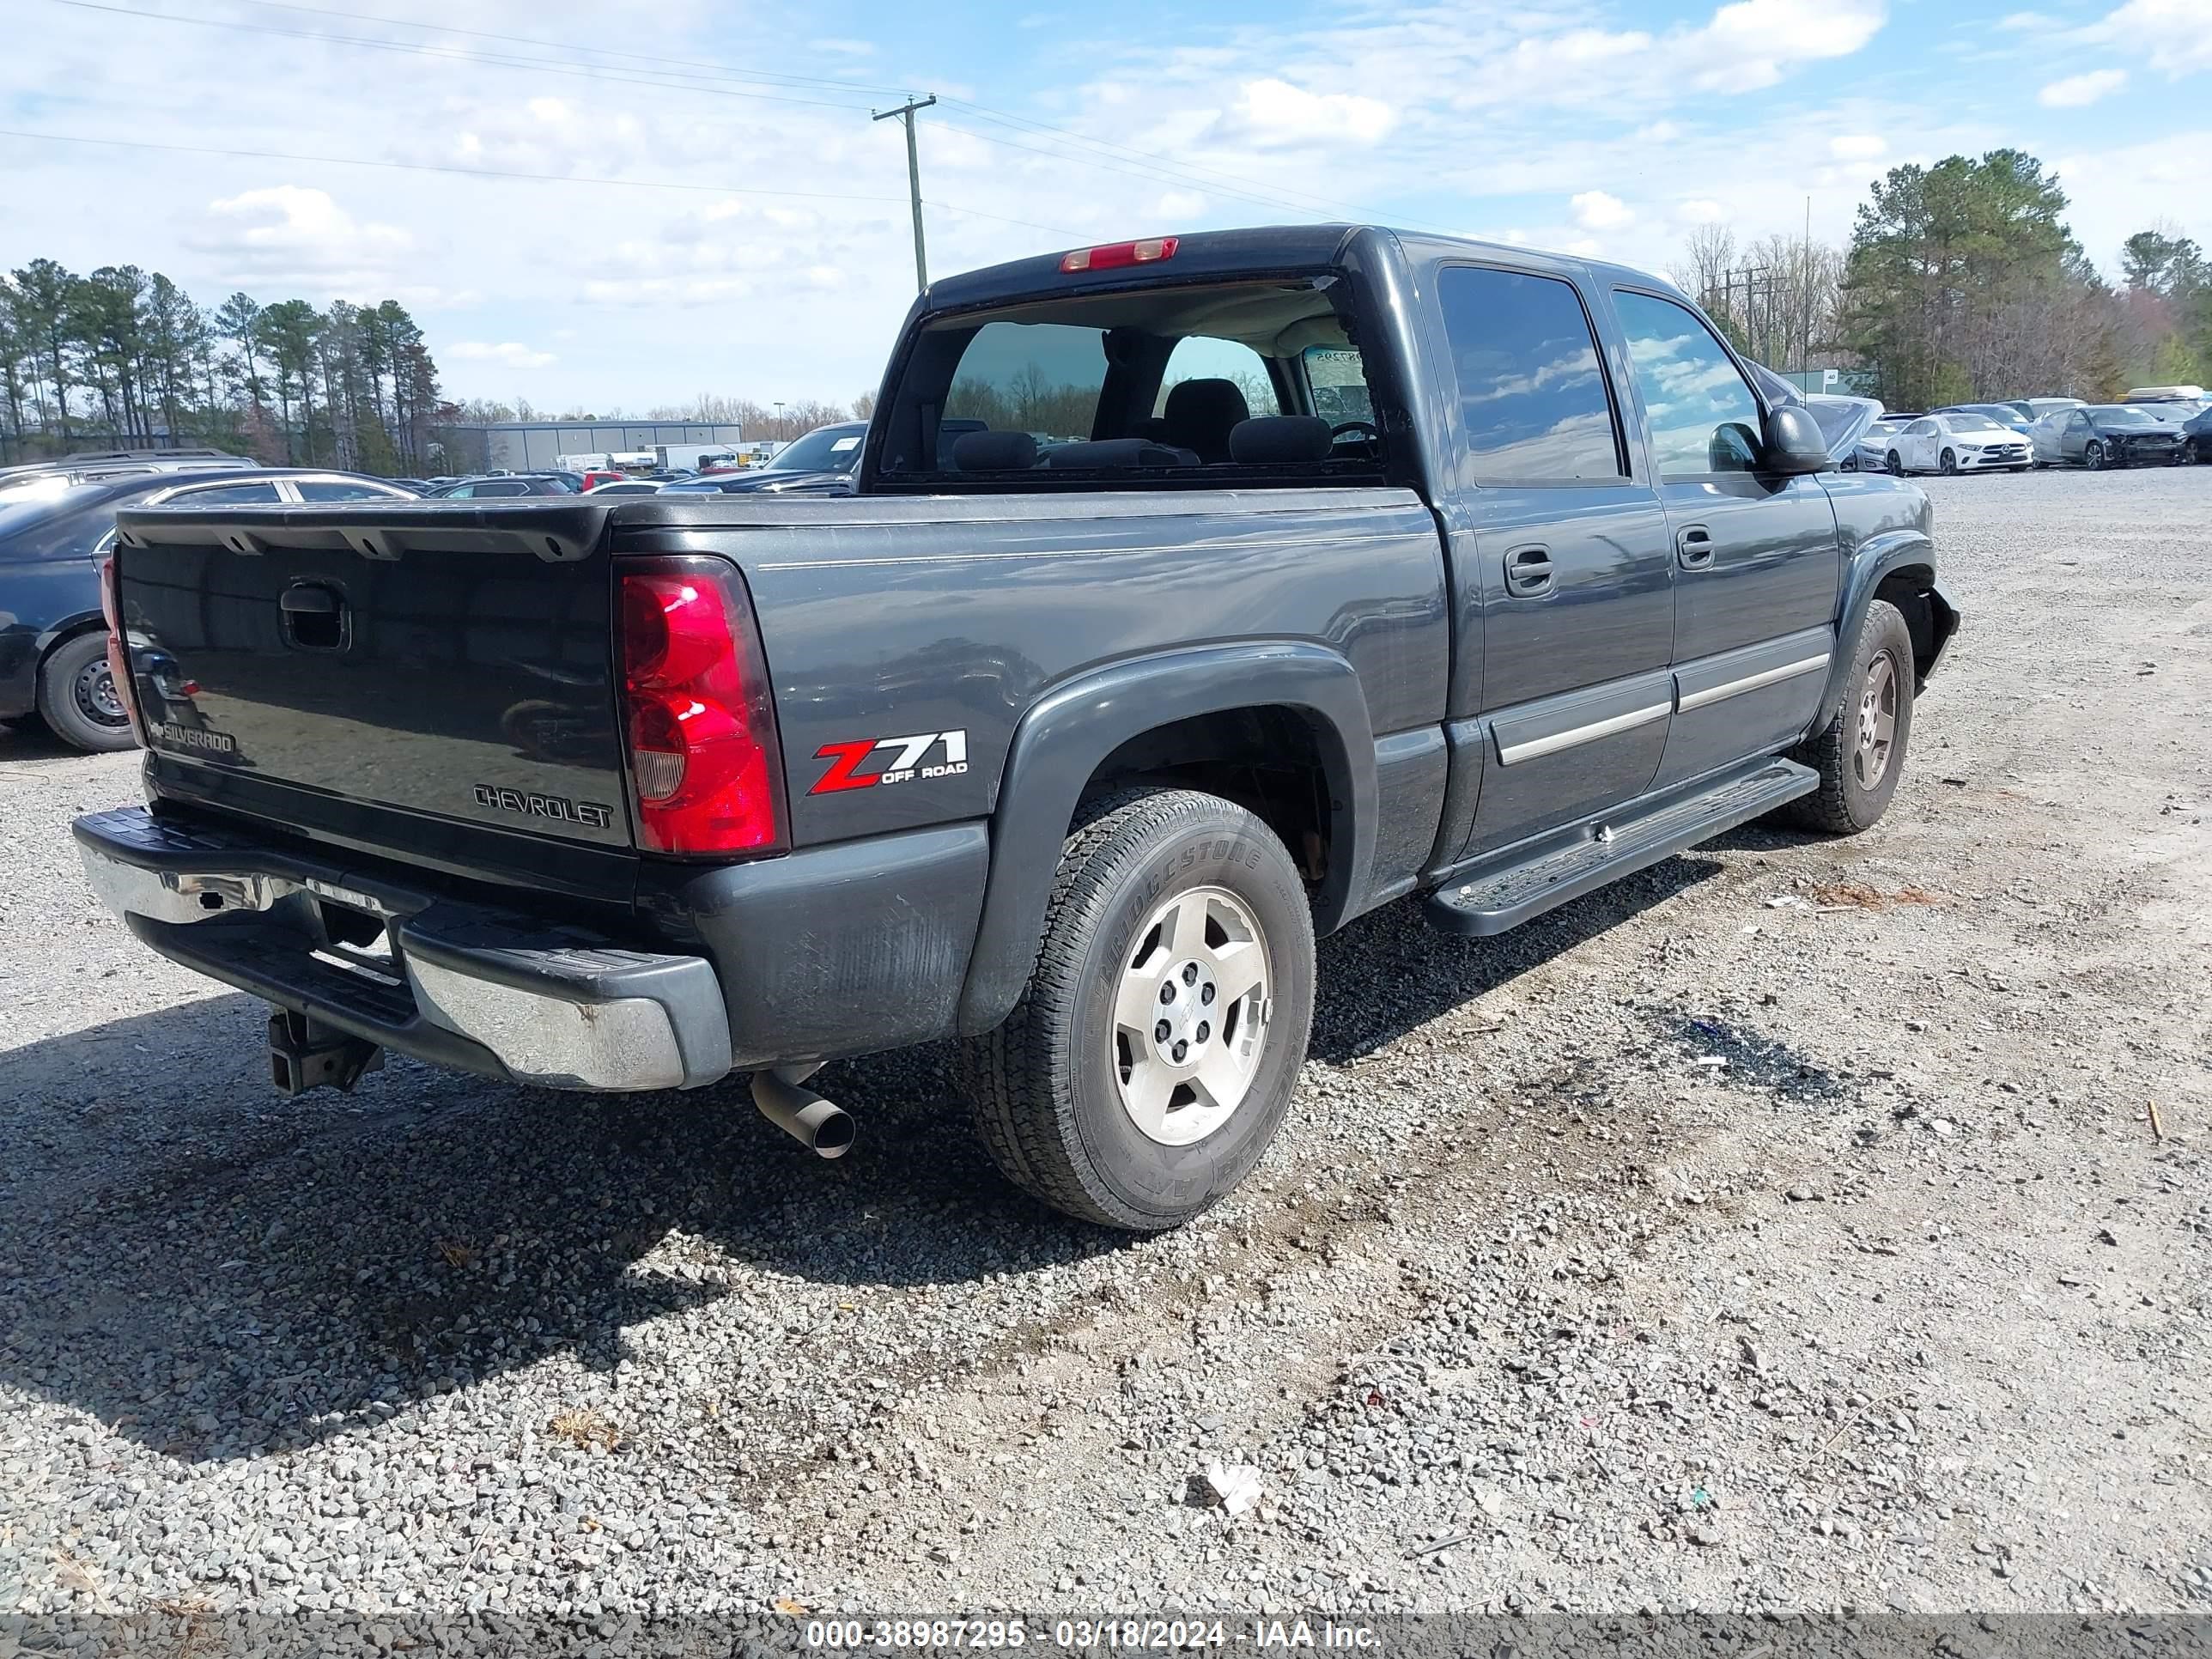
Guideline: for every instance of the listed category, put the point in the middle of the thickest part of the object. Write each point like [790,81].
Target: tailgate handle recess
[306,600]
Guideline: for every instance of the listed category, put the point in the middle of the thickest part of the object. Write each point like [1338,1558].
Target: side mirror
[1795,444]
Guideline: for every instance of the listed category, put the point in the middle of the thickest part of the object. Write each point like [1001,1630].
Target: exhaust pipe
[819,1125]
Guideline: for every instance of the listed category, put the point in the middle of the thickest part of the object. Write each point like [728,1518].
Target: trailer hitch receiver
[304,1053]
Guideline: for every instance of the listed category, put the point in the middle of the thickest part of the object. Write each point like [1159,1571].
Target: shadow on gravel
[31,741]
[1389,971]
[218,1273]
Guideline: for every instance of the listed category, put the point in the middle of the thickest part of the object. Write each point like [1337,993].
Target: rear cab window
[1173,385]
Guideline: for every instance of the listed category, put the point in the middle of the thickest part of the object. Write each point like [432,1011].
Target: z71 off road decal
[903,765]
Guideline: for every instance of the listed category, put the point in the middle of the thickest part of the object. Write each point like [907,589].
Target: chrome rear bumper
[452,982]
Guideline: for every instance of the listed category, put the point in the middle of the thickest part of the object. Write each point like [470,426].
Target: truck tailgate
[449,659]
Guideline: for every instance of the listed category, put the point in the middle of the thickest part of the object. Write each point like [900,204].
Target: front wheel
[77,697]
[1151,1055]
[2093,456]
[1896,463]
[1859,750]
[1949,465]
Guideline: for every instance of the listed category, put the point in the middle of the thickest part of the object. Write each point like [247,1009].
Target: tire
[1949,466]
[1896,464]
[2093,456]
[1057,1088]
[1852,796]
[76,697]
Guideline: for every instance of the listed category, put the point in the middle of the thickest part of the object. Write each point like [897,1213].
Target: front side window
[240,494]
[330,489]
[1703,417]
[1532,404]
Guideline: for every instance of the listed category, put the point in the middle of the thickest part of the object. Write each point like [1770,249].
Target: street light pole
[778,423]
[905,113]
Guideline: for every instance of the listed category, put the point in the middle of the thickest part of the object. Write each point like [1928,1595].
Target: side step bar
[1497,899]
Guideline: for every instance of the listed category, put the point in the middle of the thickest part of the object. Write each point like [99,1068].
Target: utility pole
[905,113]
[780,433]
[1805,297]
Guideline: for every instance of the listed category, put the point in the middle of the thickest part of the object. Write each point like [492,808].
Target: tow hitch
[304,1053]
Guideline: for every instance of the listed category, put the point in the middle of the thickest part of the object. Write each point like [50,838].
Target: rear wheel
[1859,750]
[1151,1055]
[77,697]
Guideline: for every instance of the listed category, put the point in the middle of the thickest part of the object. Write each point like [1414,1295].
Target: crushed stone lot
[1800,1224]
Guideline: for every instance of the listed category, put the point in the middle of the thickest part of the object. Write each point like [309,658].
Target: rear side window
[1532,403]
[1702,416]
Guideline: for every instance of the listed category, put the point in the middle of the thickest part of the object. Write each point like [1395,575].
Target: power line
[765,78]
[1195,174]
[457,55]
[692,72]
[501,172]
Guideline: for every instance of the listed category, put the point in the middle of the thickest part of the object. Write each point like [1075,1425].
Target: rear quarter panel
[903,617]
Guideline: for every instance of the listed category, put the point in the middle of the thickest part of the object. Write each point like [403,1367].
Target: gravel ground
[1786,1228]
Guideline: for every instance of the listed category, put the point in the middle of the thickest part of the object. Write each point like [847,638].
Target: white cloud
[1273,112]
[1700,210]
[507,354]
[2028,22]
[1757,40]
[291,235]
[1595,210]
[1858,147]
[2174,35]
[2077,91]
[1176,204]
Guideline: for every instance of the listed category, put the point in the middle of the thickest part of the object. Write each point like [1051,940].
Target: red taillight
[119,652]
[703,758]
[1114,254]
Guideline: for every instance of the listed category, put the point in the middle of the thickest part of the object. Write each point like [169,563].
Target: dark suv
[55,519]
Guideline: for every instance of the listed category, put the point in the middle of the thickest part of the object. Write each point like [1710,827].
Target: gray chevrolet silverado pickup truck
[1197,595]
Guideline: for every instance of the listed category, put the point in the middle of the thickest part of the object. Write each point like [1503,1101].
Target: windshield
[2121,415]
[825,449]
[1973,423]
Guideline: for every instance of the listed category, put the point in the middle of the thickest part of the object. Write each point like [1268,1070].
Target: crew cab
[1268,577]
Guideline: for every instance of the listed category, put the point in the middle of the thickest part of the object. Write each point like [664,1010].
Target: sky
[613,205]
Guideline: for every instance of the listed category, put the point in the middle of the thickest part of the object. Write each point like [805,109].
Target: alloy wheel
[1877,722]
[1190,1015]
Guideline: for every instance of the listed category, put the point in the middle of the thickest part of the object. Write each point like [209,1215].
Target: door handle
[1528,571]
[1693,546]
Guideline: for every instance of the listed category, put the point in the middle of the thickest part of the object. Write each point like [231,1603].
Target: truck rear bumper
[452,982]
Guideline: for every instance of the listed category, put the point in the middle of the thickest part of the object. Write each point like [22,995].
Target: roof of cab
[1229,253]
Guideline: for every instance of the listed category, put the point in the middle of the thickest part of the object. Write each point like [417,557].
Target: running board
[1499,899]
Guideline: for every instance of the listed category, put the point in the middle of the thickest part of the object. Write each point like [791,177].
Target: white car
[2042,437]
[1872,454]
[625,487]
[1957,443]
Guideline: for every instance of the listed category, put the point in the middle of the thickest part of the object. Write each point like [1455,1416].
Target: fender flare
[55,632]
[1875,558]
[1064,737]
